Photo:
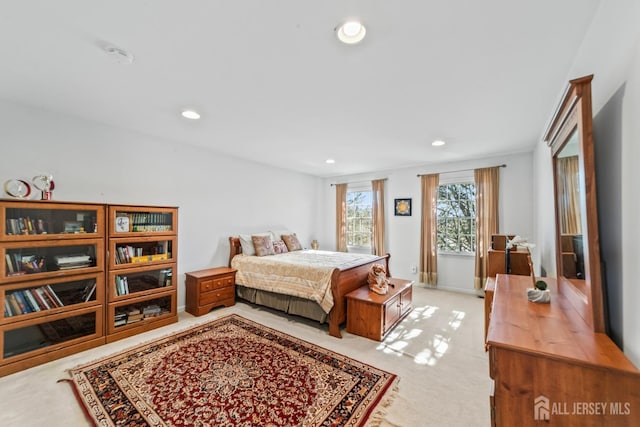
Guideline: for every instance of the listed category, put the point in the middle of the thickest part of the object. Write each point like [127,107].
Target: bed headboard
[234,248]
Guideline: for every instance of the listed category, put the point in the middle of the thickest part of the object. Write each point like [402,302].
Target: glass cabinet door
[49,296]
[138,220]
[141,281]
[41,221]
[34,260]
[31,337]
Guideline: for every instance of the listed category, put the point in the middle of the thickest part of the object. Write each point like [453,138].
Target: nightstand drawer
[217,283]
[220,294]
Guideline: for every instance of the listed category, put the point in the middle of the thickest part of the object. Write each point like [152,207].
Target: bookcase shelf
[51,281]
[142,294]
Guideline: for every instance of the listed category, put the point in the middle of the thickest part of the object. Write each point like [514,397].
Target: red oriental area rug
[231,372]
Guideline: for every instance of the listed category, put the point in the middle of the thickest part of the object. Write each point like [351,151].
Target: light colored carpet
[437,351]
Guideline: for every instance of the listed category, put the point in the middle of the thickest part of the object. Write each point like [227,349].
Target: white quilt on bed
[305,274]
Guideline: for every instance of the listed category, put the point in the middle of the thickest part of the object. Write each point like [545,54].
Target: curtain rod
[357,182]
[464,170]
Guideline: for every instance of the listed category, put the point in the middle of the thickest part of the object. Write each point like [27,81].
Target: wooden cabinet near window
[210,288]
[51,281]
[373,316]
[142,267]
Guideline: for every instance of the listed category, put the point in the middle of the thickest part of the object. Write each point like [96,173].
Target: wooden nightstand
[210,288]
[371,315]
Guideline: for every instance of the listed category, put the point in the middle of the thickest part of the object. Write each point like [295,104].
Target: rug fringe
[379,414]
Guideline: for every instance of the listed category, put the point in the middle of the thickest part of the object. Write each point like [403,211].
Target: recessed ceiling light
[190,114]
[351,32]
[330,161]
[438,143]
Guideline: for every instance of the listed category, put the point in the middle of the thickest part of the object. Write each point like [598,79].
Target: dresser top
[555,329]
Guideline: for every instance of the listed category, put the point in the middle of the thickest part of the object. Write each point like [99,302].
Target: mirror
[577,248]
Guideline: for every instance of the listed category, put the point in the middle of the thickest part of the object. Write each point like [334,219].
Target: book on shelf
[122,285]
[10,268]
[15,307]
[31,300]
[24,308]
[7,308]
[120,318]
[66,262]
[42,298]
[46,297]
[41,302]
[151,310]
[54,295]
[88,291]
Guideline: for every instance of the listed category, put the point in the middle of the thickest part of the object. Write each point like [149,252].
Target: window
[457,218]
[359,218]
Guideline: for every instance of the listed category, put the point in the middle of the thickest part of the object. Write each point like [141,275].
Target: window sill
[460,254]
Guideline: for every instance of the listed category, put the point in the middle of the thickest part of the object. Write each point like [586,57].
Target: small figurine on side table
[377,279]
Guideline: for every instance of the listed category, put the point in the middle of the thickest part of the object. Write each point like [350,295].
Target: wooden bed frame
[342,282]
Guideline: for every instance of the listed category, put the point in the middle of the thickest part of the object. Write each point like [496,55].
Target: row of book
[135,314]
[27,225]
[131,254]
[25,301]
[151,221]
[122,285]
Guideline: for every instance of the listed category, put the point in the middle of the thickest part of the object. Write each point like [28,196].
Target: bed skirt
[286,303]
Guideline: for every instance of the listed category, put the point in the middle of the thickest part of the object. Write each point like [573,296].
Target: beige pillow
[263,245]
[292,242]
[247,243]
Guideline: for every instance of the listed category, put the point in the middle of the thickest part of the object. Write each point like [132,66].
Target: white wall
[610,51]
[455,272]
[218,196]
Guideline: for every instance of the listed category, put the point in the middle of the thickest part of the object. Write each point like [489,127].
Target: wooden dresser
[373,316]
[549,367]
[210,288]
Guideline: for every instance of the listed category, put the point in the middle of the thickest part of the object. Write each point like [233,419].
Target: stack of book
[151,311]
[134,315]
[120,319]
[66,262]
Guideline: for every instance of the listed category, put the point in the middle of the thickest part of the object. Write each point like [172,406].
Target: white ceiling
[275,86]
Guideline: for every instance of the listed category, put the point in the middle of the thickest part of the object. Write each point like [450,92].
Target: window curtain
[377,243]
[341,217]
[487,182]
[570,218]
[429,228]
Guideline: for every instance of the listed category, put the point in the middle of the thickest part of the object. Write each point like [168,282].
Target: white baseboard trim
[452,289]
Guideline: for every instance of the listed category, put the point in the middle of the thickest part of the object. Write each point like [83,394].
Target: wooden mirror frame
[574,115]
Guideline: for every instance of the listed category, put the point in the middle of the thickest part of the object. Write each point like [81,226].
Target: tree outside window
[457,218]
[359,218]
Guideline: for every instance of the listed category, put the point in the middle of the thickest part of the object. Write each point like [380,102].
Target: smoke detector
[117,54]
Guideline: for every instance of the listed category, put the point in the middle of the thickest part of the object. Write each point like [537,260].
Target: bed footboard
[343,282]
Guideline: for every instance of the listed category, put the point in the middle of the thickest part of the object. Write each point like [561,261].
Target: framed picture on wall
[402,207]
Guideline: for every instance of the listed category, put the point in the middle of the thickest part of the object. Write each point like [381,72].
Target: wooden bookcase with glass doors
[141,270]
[51,281]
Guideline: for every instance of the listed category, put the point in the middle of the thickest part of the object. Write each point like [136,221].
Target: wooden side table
[210,288]
[371,315]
